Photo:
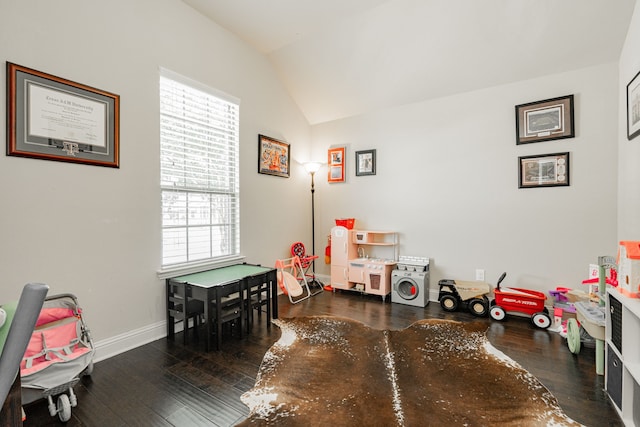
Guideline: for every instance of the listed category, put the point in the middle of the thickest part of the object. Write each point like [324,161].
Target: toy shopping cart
[59,353]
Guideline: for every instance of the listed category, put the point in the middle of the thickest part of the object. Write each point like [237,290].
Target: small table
[204,285]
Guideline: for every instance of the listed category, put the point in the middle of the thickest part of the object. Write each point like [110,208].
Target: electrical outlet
[480,274]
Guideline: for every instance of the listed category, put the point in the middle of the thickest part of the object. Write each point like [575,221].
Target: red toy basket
[346,222]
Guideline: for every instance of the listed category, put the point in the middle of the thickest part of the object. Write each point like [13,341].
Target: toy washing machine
[410,281]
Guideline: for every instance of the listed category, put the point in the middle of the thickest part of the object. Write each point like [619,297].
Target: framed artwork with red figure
[274,157]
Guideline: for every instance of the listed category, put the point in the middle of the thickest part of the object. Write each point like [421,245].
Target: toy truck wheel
[478,306]
[449,303]
[541,320]
[497,313]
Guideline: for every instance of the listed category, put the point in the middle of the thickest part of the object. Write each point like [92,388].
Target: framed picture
[365,162]
[52,118]
[545,170]
[336,164]
[274,157]
[545,120]
[633,107]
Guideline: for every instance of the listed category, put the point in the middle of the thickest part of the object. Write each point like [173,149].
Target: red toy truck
[522,301]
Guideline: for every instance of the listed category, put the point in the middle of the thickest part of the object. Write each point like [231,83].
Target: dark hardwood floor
[164,383]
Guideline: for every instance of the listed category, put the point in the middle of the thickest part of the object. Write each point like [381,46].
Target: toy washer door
[409,289]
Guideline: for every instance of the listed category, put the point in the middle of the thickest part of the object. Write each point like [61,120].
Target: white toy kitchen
[362,260]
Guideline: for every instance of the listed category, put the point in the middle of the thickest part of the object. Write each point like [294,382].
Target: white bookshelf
[622,376]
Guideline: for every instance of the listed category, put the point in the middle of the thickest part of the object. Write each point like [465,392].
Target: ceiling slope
[340,58]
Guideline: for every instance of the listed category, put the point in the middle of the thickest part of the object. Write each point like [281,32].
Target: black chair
[181,307]
[258,291]
[228,308]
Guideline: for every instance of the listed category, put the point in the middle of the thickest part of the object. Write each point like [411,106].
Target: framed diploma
[52,118]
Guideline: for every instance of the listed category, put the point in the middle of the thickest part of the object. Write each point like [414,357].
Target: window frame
[187,189]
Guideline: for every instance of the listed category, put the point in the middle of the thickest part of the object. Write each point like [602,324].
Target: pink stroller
[59,353]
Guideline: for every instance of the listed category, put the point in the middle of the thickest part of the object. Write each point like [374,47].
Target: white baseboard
[324,278]
[129,340]
[124,342]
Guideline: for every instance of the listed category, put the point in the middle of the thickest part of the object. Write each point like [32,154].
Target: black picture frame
[365,162]
[544,170]
[633,107]
[274,157]
[52,118]
[545,120]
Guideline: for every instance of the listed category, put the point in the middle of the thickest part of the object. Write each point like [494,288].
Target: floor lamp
[312,168]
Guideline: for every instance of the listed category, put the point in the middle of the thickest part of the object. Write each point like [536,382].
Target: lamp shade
[312,167]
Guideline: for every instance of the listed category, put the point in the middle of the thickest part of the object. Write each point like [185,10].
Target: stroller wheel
[88,370]
[64,408]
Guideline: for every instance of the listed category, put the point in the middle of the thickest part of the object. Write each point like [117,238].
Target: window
[199,149]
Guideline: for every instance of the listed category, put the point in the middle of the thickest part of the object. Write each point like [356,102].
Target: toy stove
[410,281]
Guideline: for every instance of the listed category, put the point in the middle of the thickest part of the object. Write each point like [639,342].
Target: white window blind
[199,149]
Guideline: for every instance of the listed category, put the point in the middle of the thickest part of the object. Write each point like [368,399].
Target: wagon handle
[501,279]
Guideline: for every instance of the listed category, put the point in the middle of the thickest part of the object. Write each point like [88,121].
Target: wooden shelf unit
[366,238]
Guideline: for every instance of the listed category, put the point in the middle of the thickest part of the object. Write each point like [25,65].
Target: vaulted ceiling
[340,58]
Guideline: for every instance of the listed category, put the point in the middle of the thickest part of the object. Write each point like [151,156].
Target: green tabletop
[220,276]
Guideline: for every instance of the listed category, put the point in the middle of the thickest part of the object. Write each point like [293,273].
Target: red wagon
[518,300]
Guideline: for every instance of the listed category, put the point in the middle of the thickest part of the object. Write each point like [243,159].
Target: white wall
[446,178]
[628,151]
[447,182]
[95,231]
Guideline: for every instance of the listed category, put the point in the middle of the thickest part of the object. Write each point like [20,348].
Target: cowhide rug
[329,371]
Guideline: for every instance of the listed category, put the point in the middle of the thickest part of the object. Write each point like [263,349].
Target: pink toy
[611,280]
[561,299]
[629,268]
